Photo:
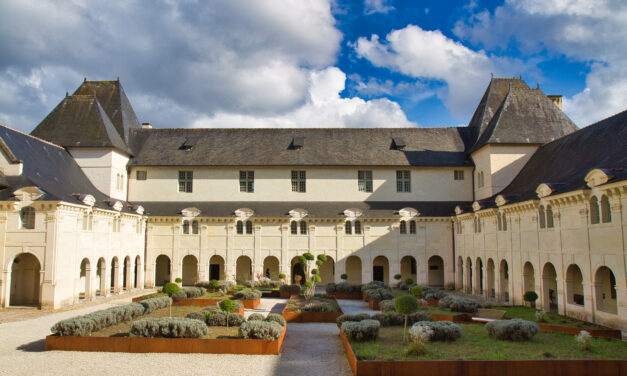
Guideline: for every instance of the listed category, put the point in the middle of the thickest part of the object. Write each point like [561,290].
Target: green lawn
[529,314]
[475,344]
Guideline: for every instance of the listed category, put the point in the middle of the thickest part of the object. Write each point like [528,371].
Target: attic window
[188,144]
[298,142]
[399,143]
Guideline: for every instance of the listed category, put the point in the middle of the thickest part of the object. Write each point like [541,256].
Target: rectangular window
[141,175]
[299,179]
[458,174]
[364,181]
[247,181]
[403,181]
[186,179]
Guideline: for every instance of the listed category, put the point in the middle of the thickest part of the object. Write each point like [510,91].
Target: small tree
[530,297]
[312,275]
[405,305]
[416,292]
[344,277]
[409,282]
[282,276]
[178,280]
[228,306]
[214,284]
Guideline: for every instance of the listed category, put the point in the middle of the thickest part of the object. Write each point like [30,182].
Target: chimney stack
[557,99]
[149,126]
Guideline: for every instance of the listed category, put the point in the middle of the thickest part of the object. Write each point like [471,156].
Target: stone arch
[479,276]
[327,270]
[163,270]
[126,273]
[460,273]
[353,270]
[469,278]
[297,269]
[574,285]
[381,269]
[243,269]
[490,270]
[549,287]
[594,210]
[529,279]
[190,270]
[436,271]
[605,290]
[84,284]
[409,268]
[101,273]
[136,271]
[271,267]
[606,211]
[115,272]
[216,268]
[25,280]
[504,280]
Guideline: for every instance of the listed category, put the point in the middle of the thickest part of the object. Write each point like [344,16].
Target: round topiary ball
[409,281]
[170,288]
[322,258]
[308,256]
[344,277]
[397,277]
[214,283]
[178,280]
[317,278]
[416,292]
[530,296]
[282,276]
[227,305]
[405,304]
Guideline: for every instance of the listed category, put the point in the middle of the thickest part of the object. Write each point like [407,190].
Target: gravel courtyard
[309,349]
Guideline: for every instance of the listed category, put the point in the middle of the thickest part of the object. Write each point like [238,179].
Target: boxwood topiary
[276,318]
[416,292]
[170,288]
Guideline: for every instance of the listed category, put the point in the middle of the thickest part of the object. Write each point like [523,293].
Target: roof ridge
[33,137]
[304,129]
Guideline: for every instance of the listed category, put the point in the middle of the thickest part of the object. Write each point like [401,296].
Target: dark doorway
[214,272]
[377,273]
[297,269]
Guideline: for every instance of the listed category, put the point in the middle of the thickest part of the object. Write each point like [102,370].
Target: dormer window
[88,221]
[606,212]
[296,225]
[188,144]
[27,218]
[357,228]
[399,143]
[303,228]
[298,142]
[348,228]
[249,227]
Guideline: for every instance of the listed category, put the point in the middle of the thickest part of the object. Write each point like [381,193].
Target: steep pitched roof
[321,147]
[49,167]
[80,121]
[512,113]
[565,162]
[113,99]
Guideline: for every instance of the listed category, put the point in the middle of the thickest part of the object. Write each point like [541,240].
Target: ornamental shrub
[214,284]
[418,338]
[216,318]
[378,294]
[256,317]
[417,317]
[275,317]
[330,287]
[248,294]
[405,304]
[423,304]
[386,305]
[178,280]
[198,315]
[344,277]
[445,302]
[433,293]
[365,330]
[266,330]
[542,316]
[416,292]
[464,305]
[397,277]
[347,288]
[291,289]
[228,306]
[409,281]
[282,276]
[236,319]
[170,288]
[194,292]
[396,319]
[530,296]
[382,318]
[76,326]
[512,330]
[441,330]
[320,307]
[179,295]
[345,318]
[169,327]
[584,340]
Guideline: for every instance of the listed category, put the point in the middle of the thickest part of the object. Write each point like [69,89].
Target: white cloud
[583,30]
[373,87]
[377,6]
[323,108]
[431,55]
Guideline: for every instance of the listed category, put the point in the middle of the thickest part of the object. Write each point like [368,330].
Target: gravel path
[353,307]
[308,349]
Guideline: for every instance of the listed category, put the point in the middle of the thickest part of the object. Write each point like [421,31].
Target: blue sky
[316,63]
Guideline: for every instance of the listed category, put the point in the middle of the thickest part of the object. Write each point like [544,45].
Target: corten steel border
[288,295]
[433,302]
[482,367]
[270,294]
[604,333]
[373,304]
[166,345]
[355,295]
[304,317]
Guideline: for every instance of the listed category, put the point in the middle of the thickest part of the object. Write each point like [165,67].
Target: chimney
[149,126]
[557,99]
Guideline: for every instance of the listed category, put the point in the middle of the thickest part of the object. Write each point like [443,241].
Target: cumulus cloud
[431,55]
[323,108]
[181,59]
[377,6]
[583,30]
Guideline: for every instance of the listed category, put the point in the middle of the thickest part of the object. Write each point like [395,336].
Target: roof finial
[118,80]
[85,79]
[67,94]
[538,86]
[491,75]
[520,77]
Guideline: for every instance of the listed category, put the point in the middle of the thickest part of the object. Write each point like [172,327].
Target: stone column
[284,262]
[176,263]
[203,255]
[230,260]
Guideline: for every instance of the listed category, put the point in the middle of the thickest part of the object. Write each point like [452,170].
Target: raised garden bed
[373,304]
[271,294]
[433,302]
[291,312]
[355,295]
[288,295]
[470,356]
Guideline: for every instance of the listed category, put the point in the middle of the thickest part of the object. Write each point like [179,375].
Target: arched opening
[190,270]
[469,279]
[479,276]
[460,273]
[606,212]
[271,267]
[25,276]
[574,285]
[549,216]
[27,218]
[436,271]
[126,273]
[243,269]
[115,271]
[162,270]
[85,279]
[504,281]
[136,271]
[216,268]
[353,270]
[327,270]
[490,270]
[594,210]
[529,279]
[380,269]
[100,275]
[541,217]
[549,287]
[408,268]
[297,269]
[605,286]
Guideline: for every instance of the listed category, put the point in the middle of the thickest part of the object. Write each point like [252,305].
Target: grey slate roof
[322,147]
[49,167]
[316,209]
[80,121]
[512,113]
[565,162]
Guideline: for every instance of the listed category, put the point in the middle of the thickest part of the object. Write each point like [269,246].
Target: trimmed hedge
[378,294]
[292,289]
[179,295]
[236,319]
[168,327]
[256,317]
[275,317]
[170,288]
[365,330]
[199,315]
[429,292]
[266,330]
[459,304]
[386,305]
[330,287]
[512,330]
[320,307]
[248,294]
[151,305]
[441,330]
